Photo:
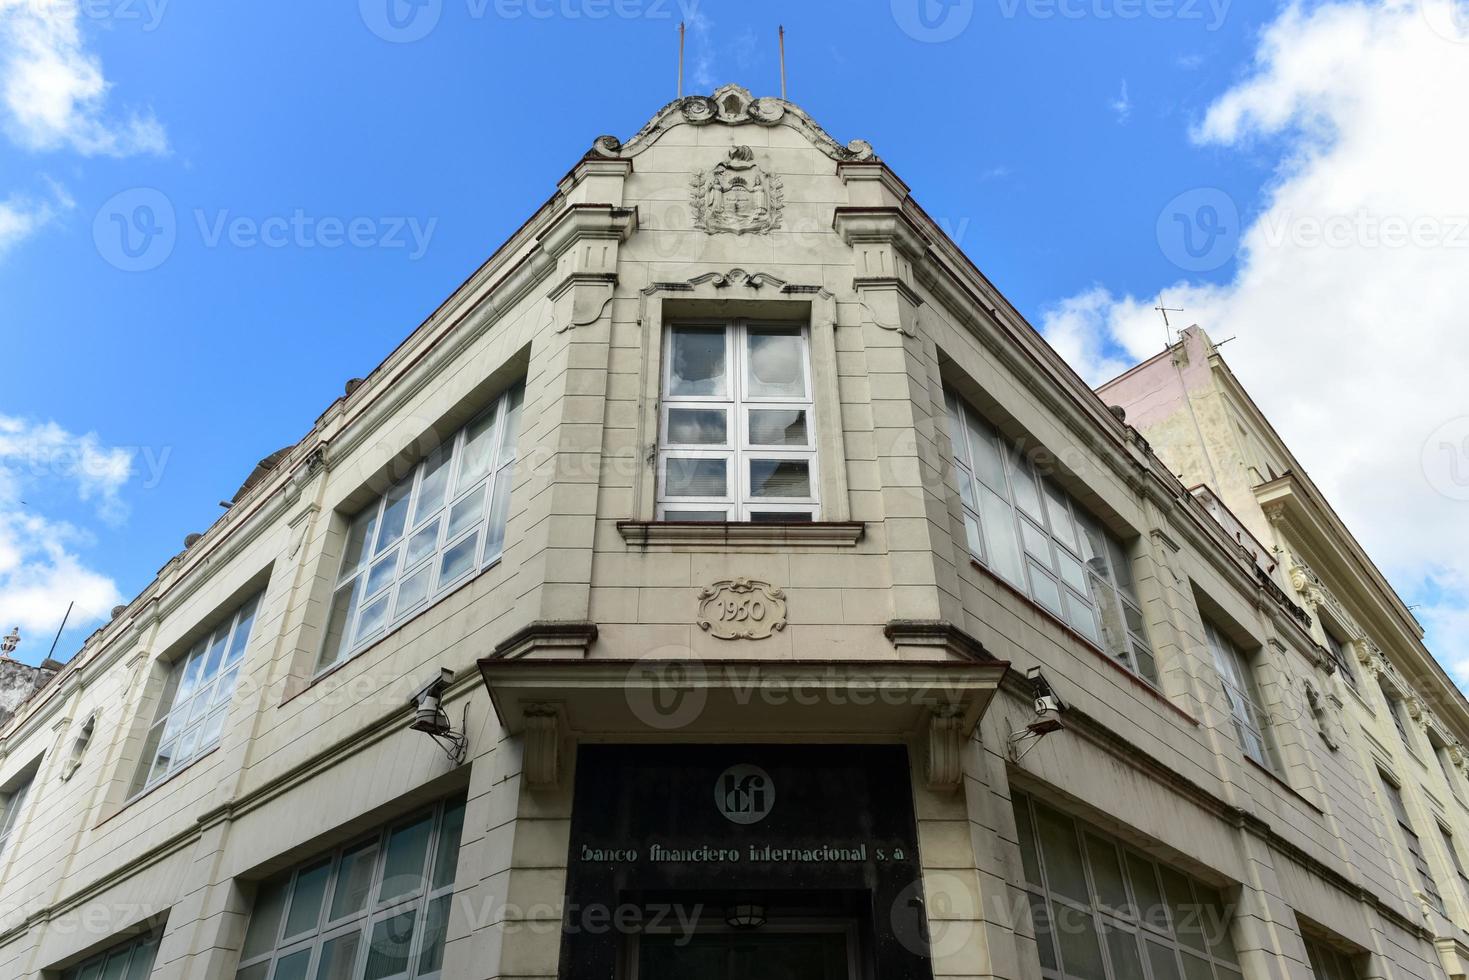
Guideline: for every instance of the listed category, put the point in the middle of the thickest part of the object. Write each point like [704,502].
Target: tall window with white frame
[1033,535]
[12,804]
[130,960]
[196,698]
[737,428]
[1411,842]
[1246,707]
[428,534]
[1338,651]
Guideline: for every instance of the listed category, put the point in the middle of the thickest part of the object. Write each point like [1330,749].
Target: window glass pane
[306,899]
[1043,588]
[244,623]
[140,779]
[1127,962]
[293,967]
[479,449]
[1071,572]
[1027,497]
[1146,664]
[775,366]
[1106,872]
[142,963]
[185,751]
[162,760]
[780,478]
[1196,968]
[1029,859]
[387,955]
[1079,614]
[381,575]
[778,427]
[1163,960]
[421,545]
[780,517]
[685,477]
[412,591]
[1081,953]
[698,426]
[1185,914]
[458,560]
[1146,892]
[435,479]
[1062,855]
[499,510]
[697,362]
[372,619]
[1037,545]
[446,855]
[117,965]
[270,902]
[1121,566]
[695,515]
[1004,551]
[344,606]
[403,869]
[256,972]
[338,957]
[215,656]
[354,881]
[465,514]
[1060,516]
[210,731]
[395,515]
[357,537]
[1040,916]
[973,536]
[989,466]
[1214,919]
[435,928]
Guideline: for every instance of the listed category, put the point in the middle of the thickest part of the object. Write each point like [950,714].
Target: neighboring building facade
[806,615]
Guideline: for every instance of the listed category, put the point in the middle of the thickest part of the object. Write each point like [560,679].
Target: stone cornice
[816,534]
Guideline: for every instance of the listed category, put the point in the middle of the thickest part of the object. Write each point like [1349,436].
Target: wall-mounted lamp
[1048,710]
[745,916]
[430,718]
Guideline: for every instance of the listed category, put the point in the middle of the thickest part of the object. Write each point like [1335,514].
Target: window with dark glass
[196,698]
[429,533]
[1339,656]
[375,909]
[132,960]
[737,430]
[1328,963]
[1411,842]
[1103,911]
[1395,709]
[1033,535]
[12,804]
[1453,851]
[1246,706]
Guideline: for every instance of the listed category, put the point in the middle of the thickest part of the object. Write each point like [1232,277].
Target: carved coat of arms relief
[737,196]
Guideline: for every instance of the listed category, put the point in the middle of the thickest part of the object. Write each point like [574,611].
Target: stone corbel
[887,244]
[581,299]
[542,746]
[583,240]
[946,738]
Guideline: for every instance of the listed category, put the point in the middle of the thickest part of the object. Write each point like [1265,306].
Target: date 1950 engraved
[741,609]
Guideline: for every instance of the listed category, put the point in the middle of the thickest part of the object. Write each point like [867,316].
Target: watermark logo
[666,694]
[401,21]
[933,21]
[934,916]
[1211,13]
[147,13]
[1199,229]
[136,230]
[1446,458]
[745,794]
[1449,19]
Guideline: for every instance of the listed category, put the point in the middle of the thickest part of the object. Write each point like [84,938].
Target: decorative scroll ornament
[736,196]
[741,609]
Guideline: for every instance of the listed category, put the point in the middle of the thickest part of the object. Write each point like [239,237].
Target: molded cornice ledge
[871,184]
[557,637]
[602,221]
[931,635]
[886,225]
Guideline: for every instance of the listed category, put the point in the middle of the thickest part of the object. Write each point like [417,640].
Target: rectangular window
[1411,842]
[132,960]
[196,697]
[737,436]
[1328,963]
[12,804]
[374,909]
[1246,707]
[1096,904]
[1033,535]
[1441,753]
[1456,861]
[1395,710]
[1338,651]
[432,531]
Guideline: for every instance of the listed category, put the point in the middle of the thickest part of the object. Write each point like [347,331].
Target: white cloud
[1352,283]
[700,80]
[22,215]
[40,569]
[53,90]
[1121,105]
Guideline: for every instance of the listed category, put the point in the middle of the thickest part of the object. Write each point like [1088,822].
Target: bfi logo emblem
[745,794]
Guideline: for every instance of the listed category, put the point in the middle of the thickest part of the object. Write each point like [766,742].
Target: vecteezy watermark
[1364,229]
[147,13]
[1449,19]
[1446,458]
[1199,229]
[932,21]
[1211,13]
[137,230]
[405,21]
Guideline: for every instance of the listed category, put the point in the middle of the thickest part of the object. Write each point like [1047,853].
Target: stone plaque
[741,609]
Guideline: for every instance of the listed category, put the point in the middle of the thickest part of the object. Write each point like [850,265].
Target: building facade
[726,579]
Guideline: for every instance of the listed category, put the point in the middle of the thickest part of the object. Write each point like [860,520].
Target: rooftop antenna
[680,58]
[782,62]
[1167,327]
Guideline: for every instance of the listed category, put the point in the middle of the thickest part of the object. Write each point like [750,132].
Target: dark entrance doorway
[800,954]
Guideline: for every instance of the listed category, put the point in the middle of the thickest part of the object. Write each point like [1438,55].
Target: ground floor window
[132,960]
[374,909]
[1103,911]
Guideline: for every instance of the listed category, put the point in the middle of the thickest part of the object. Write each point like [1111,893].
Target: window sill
[817,534]
[1279,780]
[1085,642]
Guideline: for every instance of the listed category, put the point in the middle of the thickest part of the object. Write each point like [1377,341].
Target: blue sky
[1048,136]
